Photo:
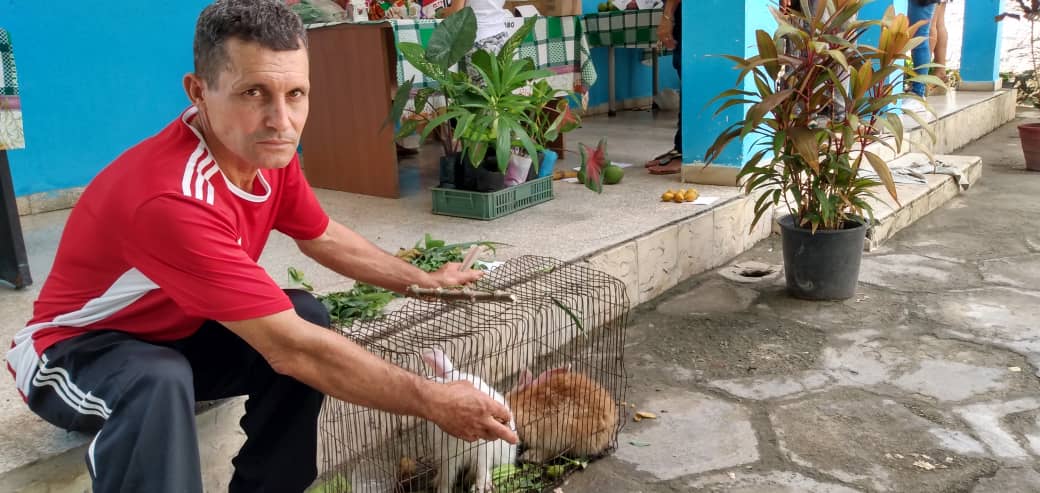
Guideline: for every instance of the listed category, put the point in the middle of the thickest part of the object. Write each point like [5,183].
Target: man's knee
[309,308]
[162,373]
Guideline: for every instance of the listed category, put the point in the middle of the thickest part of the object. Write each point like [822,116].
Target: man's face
[258,108]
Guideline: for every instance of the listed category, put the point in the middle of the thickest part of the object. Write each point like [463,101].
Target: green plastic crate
[493,205]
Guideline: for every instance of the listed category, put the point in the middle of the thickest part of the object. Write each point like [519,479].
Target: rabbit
[562,413]
[454,455]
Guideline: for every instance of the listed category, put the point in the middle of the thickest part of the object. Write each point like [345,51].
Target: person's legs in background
[922,54]
[677,63]
[938,40]
[671,161]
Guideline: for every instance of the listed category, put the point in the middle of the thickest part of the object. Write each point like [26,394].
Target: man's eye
[251,92]
[296,93]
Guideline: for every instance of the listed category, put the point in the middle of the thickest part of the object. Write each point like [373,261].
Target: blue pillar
[711,28]
[980,56]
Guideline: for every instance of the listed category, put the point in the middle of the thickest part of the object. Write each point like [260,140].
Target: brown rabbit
[562,413]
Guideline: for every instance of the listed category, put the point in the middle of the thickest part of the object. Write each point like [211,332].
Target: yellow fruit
[691,195]
[678,198]
[665,197]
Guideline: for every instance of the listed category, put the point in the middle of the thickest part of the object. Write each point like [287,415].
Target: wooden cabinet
[353,77]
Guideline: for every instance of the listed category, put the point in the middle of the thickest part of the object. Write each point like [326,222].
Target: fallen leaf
[639,444]
[899,456]
[637,418]
[949,459]
[1014,369]
[927,466]
[732,476]
[889,456]
[929,459]
[646,415]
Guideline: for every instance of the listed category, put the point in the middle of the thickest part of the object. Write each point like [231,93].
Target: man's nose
[278,115]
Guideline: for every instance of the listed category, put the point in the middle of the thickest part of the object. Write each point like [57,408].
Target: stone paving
[926,381]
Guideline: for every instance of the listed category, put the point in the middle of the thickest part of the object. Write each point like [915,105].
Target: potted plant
[1029,133]
[808,152]
[482,121]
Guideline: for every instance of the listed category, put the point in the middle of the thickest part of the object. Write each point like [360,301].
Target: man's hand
[462,411]
[449,275]
[664,33]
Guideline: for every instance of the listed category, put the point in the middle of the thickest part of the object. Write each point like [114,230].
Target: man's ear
[193,87]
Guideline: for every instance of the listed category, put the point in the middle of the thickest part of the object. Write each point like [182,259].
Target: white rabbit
[455,455]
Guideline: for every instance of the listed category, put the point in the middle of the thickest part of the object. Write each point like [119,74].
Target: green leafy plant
[593,161]
[503,108]
[365,301]
[533,478]
[806,155]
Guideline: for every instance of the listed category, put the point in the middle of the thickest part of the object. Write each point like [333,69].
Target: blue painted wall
[94,80]
[633,79]
[705,74]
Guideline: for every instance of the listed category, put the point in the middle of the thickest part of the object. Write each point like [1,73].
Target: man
[155,299]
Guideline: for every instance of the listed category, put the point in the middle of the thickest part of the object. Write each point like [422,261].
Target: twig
[464,294]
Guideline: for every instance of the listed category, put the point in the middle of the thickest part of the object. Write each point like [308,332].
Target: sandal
[664,159]
[672,167]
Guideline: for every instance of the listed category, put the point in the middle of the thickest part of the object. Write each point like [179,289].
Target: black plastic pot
[825,265]
[446,173]
[484,178]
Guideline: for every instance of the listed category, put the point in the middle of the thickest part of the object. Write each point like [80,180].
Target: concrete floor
[926,381]
[576,224]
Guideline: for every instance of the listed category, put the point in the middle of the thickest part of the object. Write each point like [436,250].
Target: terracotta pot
[1029,134]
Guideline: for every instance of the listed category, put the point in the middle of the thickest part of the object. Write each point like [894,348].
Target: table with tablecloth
[355,70]
[14,263]
[624,29]
[555,43]
[11,134]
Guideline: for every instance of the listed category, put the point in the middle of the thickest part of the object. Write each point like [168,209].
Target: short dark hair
[270,23]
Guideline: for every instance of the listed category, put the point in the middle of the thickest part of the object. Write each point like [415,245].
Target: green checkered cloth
[555,43]
[623,29]
[11,133]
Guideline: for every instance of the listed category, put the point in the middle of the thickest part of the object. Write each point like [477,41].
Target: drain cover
[751,272]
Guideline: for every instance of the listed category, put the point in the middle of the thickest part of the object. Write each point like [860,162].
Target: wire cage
[554,356]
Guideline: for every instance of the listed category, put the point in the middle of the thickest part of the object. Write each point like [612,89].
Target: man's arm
[339,368]
[348,253]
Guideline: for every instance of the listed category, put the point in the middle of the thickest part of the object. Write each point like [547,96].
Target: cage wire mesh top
[554,356]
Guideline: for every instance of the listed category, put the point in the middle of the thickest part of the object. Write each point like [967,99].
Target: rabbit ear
[526,378]
[439,361]
[547,374]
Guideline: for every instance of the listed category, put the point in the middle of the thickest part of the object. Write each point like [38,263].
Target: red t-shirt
[160,241]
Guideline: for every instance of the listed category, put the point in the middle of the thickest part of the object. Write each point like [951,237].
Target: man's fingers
[499,431]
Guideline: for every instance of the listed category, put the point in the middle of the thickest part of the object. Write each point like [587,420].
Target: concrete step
[917,200]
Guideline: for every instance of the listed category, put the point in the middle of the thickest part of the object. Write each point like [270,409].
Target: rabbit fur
[562,413]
